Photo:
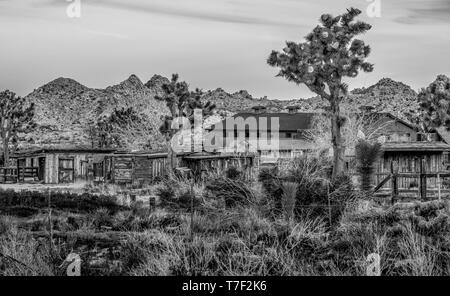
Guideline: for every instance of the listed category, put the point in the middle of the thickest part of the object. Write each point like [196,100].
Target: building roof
[392,116]
[415,146]
[288,122]
[61,149]
[444,134]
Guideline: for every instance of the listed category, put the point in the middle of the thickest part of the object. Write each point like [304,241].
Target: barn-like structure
[86,165]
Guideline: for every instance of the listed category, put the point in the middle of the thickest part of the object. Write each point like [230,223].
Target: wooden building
[74,165]
[58,165]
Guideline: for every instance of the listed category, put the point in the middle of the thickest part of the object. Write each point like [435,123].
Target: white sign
[373,267]
[74,268]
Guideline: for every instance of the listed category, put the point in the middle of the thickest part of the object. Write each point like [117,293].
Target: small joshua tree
[366,156]
[16,116]
[181,103]
[330,53]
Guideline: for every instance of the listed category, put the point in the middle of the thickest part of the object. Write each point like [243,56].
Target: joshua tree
[435,104]
[16,116]
[366,156]
[330,53]
[181,103]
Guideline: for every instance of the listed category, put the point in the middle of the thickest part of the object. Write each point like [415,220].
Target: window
[288,135]
[66,170]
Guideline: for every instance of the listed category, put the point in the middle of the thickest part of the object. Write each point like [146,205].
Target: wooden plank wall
[407,163]
[137,169]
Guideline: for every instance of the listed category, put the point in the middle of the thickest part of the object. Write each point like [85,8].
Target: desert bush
[178,194]
[315,194]
[102,218]
[270,179]
[412,239]
[59,200]
[288,199]
[233,173]
[139,248]
[21,255]
[234,192]
[6,224]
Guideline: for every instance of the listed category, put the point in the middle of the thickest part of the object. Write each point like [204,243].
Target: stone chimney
[259,109]
[292,109]
[366,109]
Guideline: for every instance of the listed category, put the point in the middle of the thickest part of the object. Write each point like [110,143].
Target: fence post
[423,181]
[394,187]
[438,176]
[50,222]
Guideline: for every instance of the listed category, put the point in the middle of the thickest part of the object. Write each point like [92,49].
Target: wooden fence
[413,185]
[18,174]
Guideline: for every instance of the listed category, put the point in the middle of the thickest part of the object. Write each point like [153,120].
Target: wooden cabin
[74,165]
[134,168]
[58,165]
[408,158]
[144,168]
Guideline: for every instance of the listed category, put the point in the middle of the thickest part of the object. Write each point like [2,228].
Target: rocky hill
[386,95]
[65,107]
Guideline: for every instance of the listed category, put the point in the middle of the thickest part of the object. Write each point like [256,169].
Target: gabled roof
[288,122]
[444,134]
[392,116]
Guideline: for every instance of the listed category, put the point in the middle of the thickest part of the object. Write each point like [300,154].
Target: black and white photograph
[227,143]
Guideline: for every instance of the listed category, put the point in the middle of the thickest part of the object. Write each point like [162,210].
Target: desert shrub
[233,173]
[315,194]
[102,218]
[412,239]
[288,199]
[139,248]
[233,192]
[59,200]
[269,177]
[20,211]
[178,194]
[6,224]
[22,255]
[307,240]
[166,194]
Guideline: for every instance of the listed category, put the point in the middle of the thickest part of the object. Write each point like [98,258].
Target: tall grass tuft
[288,199]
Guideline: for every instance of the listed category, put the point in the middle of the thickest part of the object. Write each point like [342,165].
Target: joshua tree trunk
[337,140]
[5,152]
[171,158]
[366,177]
[171,154]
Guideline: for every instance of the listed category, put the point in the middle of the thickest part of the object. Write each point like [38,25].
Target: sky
[209,43]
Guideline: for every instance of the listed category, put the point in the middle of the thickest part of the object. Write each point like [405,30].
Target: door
[84,166]
[66,170]
[41,170]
